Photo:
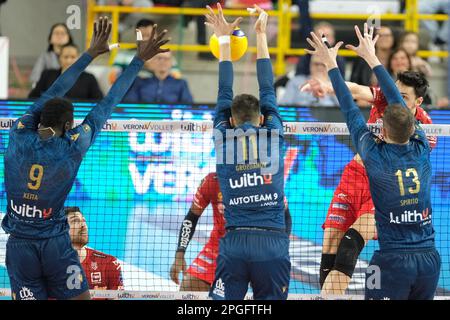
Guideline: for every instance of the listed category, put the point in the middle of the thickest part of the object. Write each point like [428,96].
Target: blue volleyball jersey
[39,174]
[399,175]
[250,162]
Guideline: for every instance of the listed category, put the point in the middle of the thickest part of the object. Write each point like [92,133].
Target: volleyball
[238,43]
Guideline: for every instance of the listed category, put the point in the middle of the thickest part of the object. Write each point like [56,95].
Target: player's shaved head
[398,122]
[245,108]
[57,113]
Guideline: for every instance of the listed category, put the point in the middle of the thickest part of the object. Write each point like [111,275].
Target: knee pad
[348,251]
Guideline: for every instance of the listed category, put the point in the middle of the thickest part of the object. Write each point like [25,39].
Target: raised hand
[366,47]
[316,87]
[99,41]
[325,54]
[150,48]
[261,23]
[218,23]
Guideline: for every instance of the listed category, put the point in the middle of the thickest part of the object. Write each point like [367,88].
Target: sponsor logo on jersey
[26,294]
[25,210]
[96,277]
[74,137]
[250,180]
[341,206]
[410,216]
[219,288]
[255,198]
[336,218]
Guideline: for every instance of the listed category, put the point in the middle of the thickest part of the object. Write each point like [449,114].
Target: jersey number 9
[36,173]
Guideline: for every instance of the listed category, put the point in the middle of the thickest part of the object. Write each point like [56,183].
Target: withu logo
[194,127]
[25,210]
[250,180]
[410,216]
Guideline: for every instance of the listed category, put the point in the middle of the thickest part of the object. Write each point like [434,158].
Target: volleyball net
[138,180]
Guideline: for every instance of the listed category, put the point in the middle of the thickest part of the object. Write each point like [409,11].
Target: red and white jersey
[379,106]
[103,271]
[209,193]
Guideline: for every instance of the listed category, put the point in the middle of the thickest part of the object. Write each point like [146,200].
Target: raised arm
[356,124]
[267,97]
[99,45]
[223,30]
[97,117]
[366,50]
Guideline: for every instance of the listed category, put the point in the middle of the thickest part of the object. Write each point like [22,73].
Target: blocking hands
[218,22]
[99,41]
[151,47]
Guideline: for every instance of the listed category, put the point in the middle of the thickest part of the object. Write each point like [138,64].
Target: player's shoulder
[98,255]
[423,116]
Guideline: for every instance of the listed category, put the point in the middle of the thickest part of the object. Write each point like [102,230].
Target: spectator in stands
[294,96]
[410,42]
[124,57]
[399,61]
[103,271]
[59,36]
[326,29]
[161,86]
[85,88]
[439,34]
[361,72]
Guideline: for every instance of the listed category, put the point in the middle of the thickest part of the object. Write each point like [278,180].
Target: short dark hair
[416,80]
[143,23]
[399,121]
[245,107]
[50,46]
[56,112]
[391,56]
[70,45]
[68,210]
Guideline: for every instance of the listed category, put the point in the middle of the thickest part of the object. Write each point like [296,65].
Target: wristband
[224,40]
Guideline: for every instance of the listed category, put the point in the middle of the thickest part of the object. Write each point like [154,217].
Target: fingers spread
[316,39]
[312,43]
[338,45]
[358,33]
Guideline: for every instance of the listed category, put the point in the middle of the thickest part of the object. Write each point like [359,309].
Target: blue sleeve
[97,117]
[58,89]
[186,96]
[225,97]
[361,136]
[388,86]
[267,97]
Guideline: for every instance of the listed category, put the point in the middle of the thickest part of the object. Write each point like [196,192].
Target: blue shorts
[258,257]
[411,275]
[45,268]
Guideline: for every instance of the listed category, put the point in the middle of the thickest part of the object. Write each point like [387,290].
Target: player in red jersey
[103,271]
[200,275]
[350,221]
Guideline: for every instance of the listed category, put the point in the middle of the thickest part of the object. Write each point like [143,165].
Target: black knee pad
[348,251]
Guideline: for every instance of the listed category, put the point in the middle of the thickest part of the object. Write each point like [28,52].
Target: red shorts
[204,266]
[351,199]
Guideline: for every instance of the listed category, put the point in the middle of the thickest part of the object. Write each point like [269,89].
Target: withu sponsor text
[25,210]
[250,180]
